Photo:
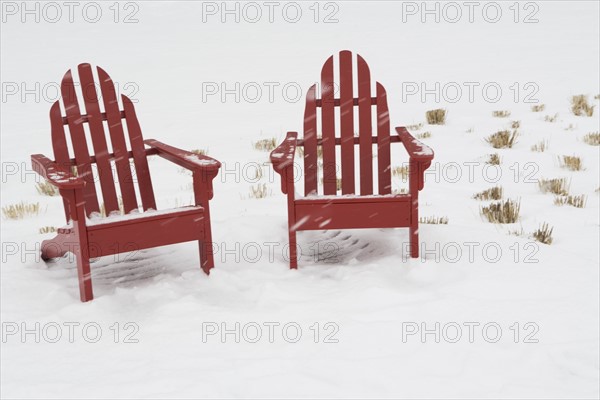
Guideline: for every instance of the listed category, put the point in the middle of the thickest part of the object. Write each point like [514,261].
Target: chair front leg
[202,194]
[80,245]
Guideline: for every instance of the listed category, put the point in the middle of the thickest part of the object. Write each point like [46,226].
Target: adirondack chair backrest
[349,106]
[94,123]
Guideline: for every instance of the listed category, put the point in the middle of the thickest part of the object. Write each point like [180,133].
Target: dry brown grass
[434,220]
[515,124]
[47,229]
[502,139]
[559,186]
[575,201]
[581,107]
[592,138]
[400,171]
[120,212]
[47,189]
[415,127]
[538,107]
[436,117]
[259,191]
[200,152]
[552,118]
[506,212]
[540,147]
[265,144]
[544,234]
[424,135]
[494,159]
[572,163]
[494,193]
[21,210]
[501,113]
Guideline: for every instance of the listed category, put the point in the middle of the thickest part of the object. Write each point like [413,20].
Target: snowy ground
[368,303]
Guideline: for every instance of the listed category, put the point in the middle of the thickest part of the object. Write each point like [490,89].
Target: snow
[361,281]
[200,161]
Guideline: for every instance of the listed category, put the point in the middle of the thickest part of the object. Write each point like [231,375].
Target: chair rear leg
[86,292]
[293,250]
[413,232]
[207,261]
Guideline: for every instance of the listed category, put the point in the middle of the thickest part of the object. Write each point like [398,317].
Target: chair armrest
[283,155]
[183,158]
[416,150]
[54,173]
[282,159]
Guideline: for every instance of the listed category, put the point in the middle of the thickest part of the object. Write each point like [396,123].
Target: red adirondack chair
[89,238]
[351,208]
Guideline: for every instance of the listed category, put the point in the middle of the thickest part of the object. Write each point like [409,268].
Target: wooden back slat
[346,138]
[384,166]
[365,127]
[117,139]
[328,127]
[80,148]
[59,146]
[310,142]
[92,108]
[139,155]
[346,104]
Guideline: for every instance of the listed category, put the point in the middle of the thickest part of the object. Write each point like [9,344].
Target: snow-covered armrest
[416,150]
[183,158]
[283,155]
[54,173]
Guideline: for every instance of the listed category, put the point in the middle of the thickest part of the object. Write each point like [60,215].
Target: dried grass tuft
[558,186]
[502,139]
[436,117]
[494,193]
[501,114]
[47,189]
[575,201]
[538,107]
[592,138]
[544,234]
[581,107]
[265,144]
[434,220]
[506,212]
[21,210]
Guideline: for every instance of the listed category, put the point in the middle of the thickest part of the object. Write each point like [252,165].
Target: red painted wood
[80,147]
[366,210]
[365,127]
[136,141]
[354,214]
[117,138]
[347,122]
[180,226]
[113,236]
[59,146]
[310,143]
[90,98]
[328,128]
[384,162]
